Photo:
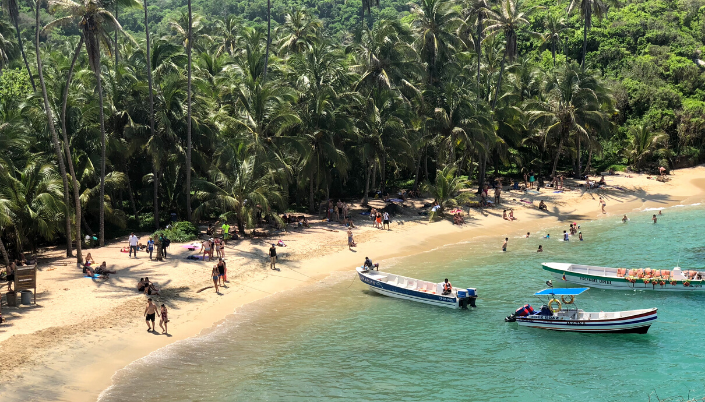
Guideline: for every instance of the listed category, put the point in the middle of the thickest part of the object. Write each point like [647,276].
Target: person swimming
[624,218]
[548,236]
[540,250]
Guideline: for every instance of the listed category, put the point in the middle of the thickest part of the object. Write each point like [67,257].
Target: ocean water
[339,341]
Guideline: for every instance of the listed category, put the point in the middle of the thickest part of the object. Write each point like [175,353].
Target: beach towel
[364,213]
[195,257]
[559,191]
[395,200]
[95,276]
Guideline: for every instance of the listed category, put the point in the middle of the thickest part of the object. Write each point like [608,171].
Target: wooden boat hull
[592,277]
[386,289]
[637,322]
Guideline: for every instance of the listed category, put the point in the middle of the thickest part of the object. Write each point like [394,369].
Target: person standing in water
[565,236]
[603,205]
[580,236]
[504,245]
[624,218]
[654,218]
[540,250]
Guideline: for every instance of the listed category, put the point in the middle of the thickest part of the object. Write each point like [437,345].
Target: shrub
[179,232]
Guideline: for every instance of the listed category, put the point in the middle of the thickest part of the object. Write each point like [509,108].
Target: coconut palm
[227,32]
[298,32]
[435,22]
[95,24]
[54,136]
[446,186]
[6,45]
[645,142]
[189,146]
[555,29]
[575,104]
[238,185]
[588,8]
[149,66]
[508,19]
[13,12]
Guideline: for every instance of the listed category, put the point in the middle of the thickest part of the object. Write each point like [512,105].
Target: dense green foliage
[466,88]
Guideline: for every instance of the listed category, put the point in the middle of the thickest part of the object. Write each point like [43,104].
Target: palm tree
[435,22]
[14,12]
[189,146]
[269,37]
[149,66]
[299,31]
[508,19]
[5,46]
[238,186]
[645,142]
[54,136]
[575,103]
[555,29]
[367,4]
[587,9]
[446,186]
[227,30]
[95,24]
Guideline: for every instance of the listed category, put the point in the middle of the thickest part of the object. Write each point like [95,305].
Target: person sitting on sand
[103,269]
[542,206]
[351,242]
[602,181]
[89,260]
[504,215]
[511,215]
[624,218]
[151,289]
[141,285]
[447,287]
[540,250]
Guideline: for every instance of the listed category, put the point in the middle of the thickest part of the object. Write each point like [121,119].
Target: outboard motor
[467,297]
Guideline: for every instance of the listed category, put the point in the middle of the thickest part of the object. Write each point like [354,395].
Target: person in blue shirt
[150,247]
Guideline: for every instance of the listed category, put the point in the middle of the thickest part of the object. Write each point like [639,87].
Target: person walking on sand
[273,257]
[164,320]
[132,241]
[215,275]
[221,271]
[150,247]
[603,205]
[385,219]
[351,242]
[504,245]
[497,193]
[149,312]
[654,218]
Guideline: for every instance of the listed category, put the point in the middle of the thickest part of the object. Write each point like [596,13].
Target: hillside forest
[116,114]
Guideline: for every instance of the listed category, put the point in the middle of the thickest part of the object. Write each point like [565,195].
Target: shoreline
[83,368]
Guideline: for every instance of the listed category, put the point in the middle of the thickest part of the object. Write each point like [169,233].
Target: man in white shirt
[133,240]
[385,220]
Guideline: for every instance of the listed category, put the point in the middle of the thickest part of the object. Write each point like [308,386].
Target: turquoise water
[338,340]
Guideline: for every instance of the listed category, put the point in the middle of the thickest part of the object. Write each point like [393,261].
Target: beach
[82,331]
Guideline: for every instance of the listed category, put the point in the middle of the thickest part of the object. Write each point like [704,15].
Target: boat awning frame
[561,292]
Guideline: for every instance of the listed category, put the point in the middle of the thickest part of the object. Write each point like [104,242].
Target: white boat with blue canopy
[417,290]
[563,315]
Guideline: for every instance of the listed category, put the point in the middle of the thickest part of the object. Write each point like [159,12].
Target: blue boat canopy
[561,292]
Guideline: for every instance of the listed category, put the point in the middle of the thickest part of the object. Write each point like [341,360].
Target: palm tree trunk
[580,167]
[84,222]
[482,170]
[188,118]
[130,193]
[5,257]
[54,138]
[24,55]
[478,46]
[558,155]
[116,42]
[553,51]
[586,26]
[587,167]
[366,197]
[311,199]
[374,175]
[383,171]
[155,181]
[269,38]
[499,82]
[67,151]
[416,176]
[101,235]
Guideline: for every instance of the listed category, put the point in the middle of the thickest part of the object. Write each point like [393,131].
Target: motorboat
[563,315]
[417,290]
[661,280]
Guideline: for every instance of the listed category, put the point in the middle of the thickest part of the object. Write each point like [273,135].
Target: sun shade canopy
[561,292]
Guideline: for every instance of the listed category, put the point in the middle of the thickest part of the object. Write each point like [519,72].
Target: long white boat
[674,280]
[417,290]
[557,316]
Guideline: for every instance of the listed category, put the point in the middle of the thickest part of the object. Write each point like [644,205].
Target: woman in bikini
[221,248]
[164,320]
[206,246]
[215,274]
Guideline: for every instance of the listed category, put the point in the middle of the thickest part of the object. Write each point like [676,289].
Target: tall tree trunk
[558,155]
[155,182]
[311,199]
[374,175]
[116,42]
[15,22]
[188,118]
[586,26]
[130,193]
[151,120]
[481,171]
[101,235]
[85,226]
[587,167]
[67,151]
[383,172]
[478,48]
[418,171]
[269,38]
[366,197]
[5,257]
[580,166]
[553,51]
[54,137]
[425,164]
[499,82]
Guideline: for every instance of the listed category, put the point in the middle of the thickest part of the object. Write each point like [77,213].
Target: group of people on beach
[149,313]
[380,220]
[160,244]
[213,244]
